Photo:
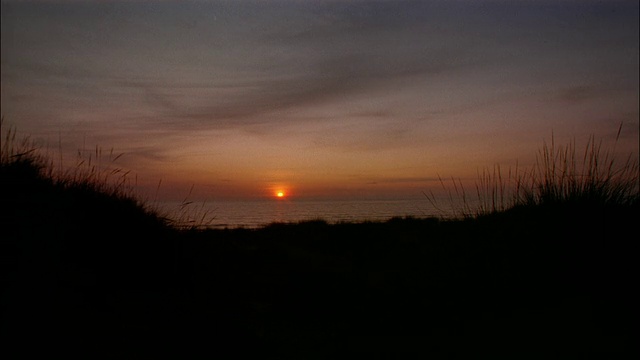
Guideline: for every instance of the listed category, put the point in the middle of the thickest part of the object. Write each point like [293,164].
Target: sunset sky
[319,99]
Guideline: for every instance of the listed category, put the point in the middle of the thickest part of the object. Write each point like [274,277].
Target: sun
[280,192]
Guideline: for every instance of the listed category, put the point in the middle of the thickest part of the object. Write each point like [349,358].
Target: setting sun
[280,194]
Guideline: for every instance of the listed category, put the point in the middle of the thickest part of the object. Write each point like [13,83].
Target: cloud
[403,180]
[316,75]
[578,94]
[266,61]
[251,102]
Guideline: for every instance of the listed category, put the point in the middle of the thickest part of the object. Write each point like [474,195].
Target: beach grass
[560,176]
[544,269]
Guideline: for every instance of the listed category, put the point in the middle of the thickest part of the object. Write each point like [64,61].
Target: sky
[319,99]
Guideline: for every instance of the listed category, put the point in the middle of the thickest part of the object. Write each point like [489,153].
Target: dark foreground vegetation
[88,271]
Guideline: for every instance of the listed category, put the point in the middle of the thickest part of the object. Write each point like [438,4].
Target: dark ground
[88,274]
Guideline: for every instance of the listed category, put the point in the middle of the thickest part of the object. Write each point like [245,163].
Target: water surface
[256,213]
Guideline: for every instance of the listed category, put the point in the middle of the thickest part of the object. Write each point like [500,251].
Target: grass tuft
[560,176]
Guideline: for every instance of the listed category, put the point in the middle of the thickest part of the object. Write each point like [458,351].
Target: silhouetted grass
[559,177]
[92,272]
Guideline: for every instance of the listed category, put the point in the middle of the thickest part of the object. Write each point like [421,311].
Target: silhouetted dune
[95,273]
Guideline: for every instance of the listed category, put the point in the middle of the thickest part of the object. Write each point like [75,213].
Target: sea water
[257,213]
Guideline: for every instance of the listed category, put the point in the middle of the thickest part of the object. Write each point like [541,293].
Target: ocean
[257,213]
